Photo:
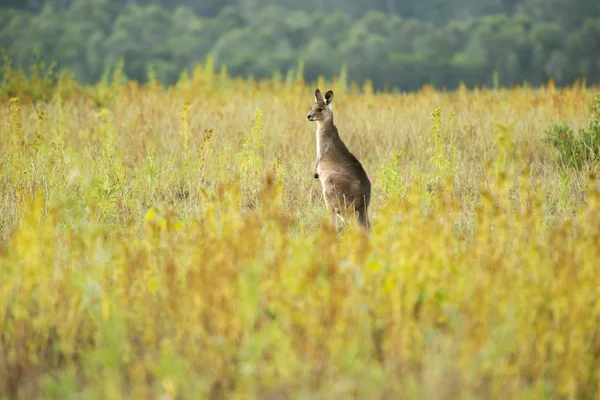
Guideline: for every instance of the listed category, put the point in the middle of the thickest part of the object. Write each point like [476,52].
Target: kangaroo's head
[321,108]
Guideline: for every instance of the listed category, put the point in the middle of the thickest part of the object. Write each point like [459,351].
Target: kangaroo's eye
[319,109]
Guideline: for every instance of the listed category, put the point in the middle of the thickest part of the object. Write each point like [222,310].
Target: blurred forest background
[395,43]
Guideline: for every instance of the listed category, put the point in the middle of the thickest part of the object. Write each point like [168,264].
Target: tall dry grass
[170,243]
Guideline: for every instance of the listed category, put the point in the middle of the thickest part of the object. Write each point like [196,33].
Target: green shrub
[576,151]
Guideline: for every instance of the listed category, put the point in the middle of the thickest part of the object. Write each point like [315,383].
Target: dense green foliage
[575,151]
[404,44]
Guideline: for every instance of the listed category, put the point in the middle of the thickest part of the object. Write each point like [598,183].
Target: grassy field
[172,244]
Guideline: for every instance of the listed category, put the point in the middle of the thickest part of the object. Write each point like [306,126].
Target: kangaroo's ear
[318,95]
[329,97]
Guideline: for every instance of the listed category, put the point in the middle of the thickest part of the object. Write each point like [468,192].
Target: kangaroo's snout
[309,117]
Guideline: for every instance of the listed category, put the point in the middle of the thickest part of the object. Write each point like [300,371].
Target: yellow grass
[153,248]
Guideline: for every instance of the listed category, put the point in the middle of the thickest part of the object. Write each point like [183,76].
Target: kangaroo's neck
[327,136]
[326,129]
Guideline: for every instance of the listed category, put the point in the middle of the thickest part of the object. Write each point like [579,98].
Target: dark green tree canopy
[401,43]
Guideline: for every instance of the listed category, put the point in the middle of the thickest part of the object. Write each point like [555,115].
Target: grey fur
[346,186]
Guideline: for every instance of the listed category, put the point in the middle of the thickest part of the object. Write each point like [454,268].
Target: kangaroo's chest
[323,147]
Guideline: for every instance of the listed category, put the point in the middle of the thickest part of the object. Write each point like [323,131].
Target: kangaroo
[346,186]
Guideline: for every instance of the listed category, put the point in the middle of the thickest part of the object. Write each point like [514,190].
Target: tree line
[394,43]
